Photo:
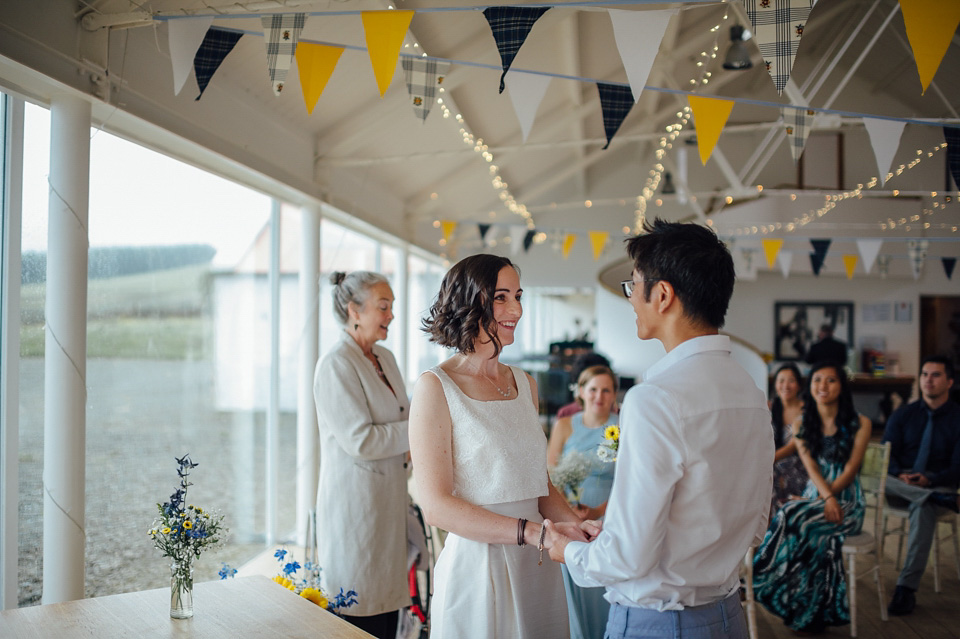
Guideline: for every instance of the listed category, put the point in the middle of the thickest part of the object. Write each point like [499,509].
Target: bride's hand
[591,528]
[570,530]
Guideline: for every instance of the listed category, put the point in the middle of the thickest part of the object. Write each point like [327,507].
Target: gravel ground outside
[140,415]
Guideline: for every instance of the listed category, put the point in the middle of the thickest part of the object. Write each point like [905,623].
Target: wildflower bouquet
[607,451]
[182,531]
[308,586]
[570,472]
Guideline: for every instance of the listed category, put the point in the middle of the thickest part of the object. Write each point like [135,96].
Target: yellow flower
[612,433]
[199,510]
[314,595]
[165,531]
[188,525]
[283,581]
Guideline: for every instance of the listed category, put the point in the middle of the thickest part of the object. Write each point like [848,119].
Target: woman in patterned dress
[789,476]
[798,569]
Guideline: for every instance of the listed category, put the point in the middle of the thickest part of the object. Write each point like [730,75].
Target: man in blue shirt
[924,470]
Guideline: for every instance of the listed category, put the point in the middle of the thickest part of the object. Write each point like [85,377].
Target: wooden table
[244,607]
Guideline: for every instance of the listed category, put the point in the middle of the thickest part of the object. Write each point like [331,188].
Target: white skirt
[497,591]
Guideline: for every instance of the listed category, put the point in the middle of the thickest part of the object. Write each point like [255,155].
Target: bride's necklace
[499,390]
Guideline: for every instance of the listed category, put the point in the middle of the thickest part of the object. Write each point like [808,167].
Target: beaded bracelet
[543,532]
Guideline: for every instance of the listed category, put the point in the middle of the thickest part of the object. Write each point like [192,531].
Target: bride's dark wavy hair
[811,427]
[464,304]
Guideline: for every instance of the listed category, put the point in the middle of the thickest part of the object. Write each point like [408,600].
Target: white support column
[272,465]
[308,460]
[65,386]
[11,140]
[401,312]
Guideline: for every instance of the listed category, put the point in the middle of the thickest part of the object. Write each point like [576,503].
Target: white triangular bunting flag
[517,234]
[868,249]
[184,36]
[526,92]
[885,138]
[785,258]
[638,35]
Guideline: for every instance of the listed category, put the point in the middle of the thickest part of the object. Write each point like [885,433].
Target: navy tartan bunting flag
[483,229]
[777,27]
[424,77]
[510,27]
[615,101]
[820,248]
[528,240]
[948,264]
[216,45]
[281,32]
[816,263]
[952,136]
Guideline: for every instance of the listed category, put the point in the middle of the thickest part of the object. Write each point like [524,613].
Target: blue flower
[280,554]
[291,568]
[227,571]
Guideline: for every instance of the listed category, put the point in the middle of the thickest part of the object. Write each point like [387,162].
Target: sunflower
[612,432]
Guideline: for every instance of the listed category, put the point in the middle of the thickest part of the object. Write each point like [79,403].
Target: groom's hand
[591,528]
[556,540]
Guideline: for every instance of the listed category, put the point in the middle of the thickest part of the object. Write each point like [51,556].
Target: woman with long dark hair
[798,569]
[789,475]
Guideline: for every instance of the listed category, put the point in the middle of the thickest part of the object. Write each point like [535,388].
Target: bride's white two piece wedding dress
[497,591]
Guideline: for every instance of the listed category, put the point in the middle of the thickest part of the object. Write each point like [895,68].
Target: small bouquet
[182,531]
[308,586]
[570,472]
[607,451]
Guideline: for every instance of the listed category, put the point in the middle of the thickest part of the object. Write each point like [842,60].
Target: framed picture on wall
[796,325]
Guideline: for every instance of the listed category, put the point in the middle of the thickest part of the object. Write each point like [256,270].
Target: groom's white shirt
[692,486]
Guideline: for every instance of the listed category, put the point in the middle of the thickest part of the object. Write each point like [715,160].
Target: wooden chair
[873,481]
[901,529]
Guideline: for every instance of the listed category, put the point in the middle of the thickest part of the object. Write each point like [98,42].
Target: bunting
[709,115]
[869,249]
[483,229]
[816,263]
[917,252]
[510,27]
[884,138]
[797,124]
[948,264]
[786,258]
[315,63]
[384,32]
[615,101]
[448,227]
[883,266]
[424,77]
[770,249]
[777,27]
[528,240]
[184,38]
[850,264]
[526,92]
[598,240]
[638,35]
[930,26]
[217,45]
[952,136]
[569,240]
[281,32]
[820,247]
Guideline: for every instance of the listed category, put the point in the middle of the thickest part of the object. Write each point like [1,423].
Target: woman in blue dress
[583,433]
[798,569]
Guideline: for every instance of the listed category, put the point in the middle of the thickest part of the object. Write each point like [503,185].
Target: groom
[695,465]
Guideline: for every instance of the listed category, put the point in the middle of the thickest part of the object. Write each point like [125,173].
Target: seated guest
[826,348]
[798,569]
[924,470]
[789,476]
[582,363]
[584,433]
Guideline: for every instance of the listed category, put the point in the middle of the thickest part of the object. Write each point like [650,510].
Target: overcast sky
[139,197]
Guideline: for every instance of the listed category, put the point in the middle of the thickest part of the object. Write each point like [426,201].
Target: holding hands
[559,534]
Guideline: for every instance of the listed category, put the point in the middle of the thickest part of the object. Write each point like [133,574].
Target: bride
[480,466]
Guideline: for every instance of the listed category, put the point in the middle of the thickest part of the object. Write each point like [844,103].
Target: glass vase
[181,589]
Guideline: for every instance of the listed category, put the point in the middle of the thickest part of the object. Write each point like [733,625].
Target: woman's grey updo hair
[354,287]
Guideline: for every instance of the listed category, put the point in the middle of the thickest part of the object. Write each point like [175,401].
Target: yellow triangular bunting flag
[385,31]
[315,63]
[598,239]
[930,27]
[850,263]
[771,248]
[709,115]
[568,241]
[447,226]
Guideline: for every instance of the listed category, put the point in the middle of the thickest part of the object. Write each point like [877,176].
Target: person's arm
[950,476]
[562,430]
[852,467]
[786,451]
[650,463]
[831,505]
[342,403]
[893,433]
